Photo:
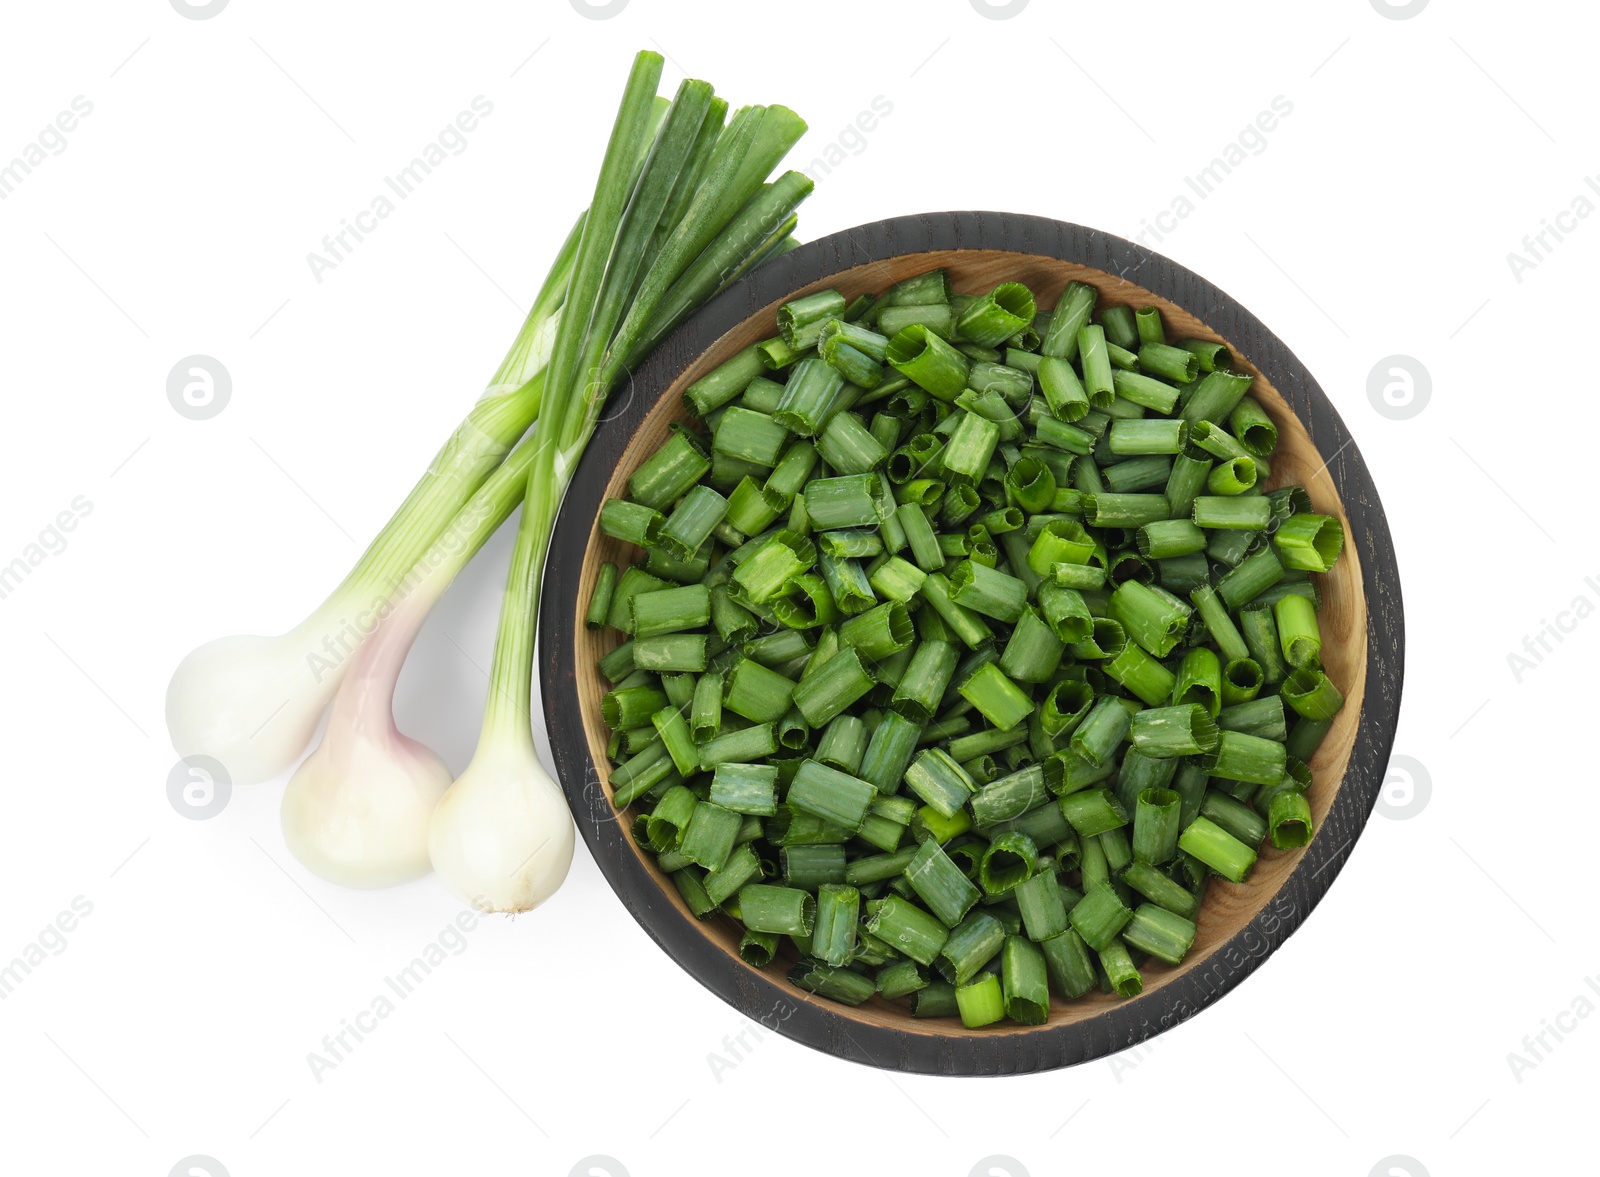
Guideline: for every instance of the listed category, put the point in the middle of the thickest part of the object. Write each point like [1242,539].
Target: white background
[177,220]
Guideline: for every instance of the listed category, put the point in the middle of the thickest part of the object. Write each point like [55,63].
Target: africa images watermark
[452,140]
[731,1054]
[1252,140]
[51,541]
[51,941]
[338,1046]
[52,140]
[1537,1048]
[1542,642]
[1537,247]
[851,140]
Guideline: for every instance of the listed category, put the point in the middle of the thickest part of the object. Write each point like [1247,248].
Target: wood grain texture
[1361,621]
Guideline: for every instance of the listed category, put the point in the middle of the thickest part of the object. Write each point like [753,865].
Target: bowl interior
[1228,907]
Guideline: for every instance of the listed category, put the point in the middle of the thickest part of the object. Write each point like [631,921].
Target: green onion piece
[1071,314]
[1212,355]
[1165,935]
[710,836]
[897,579]
[1289,820]
[1024,982]
[1242,757]
[1000,700]
[1069,963]
[1031,485]
[669,473]
[1311,693]
[923,685]
[940,884]
[848,446]
[1260,634]
[1183,730]
[756,692]
[1156,820]
[1124,510]
[1065,707]
[1120,970]
[630,522]
[745,745]
[788,911]
[900,979]
[1007,862]
[747,435]
[675,735]
[1255,430]
[1200,681]
[1235,816]
[600,599]
[935,1000]
[1232,512]
[931,363]
[972,943]
[671,610]
[843,502]
[1159,888]
[832,795]
[838,984]
[808,395]
[1099,916]
[674,652]
[1152,682]
[1218,849]
[758,949]
[693,891]
[1151,617]
[1097,378]
[1102,731]
[1299,636]
[1093,811]
[1147,324]
[801,322]
[987,591]
[724,383]
[1252,576]
[1039,901]
[906,927]
[1259,717]
[1119,325]
[981,1001]
[745,788]
[1146,392]
[1215,396]
[1169,363]
[997,316]
[879,632]
[838,906]
[889,751]
[1034,650]
[940,781]
[1309,543]
[1190,469]
[1232,477]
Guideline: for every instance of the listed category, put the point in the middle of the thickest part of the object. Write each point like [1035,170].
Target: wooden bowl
[1362,626]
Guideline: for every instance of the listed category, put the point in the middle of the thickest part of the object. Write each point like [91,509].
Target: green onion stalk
[501,837]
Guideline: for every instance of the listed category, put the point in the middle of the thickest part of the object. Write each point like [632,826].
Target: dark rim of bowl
[811,1021]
